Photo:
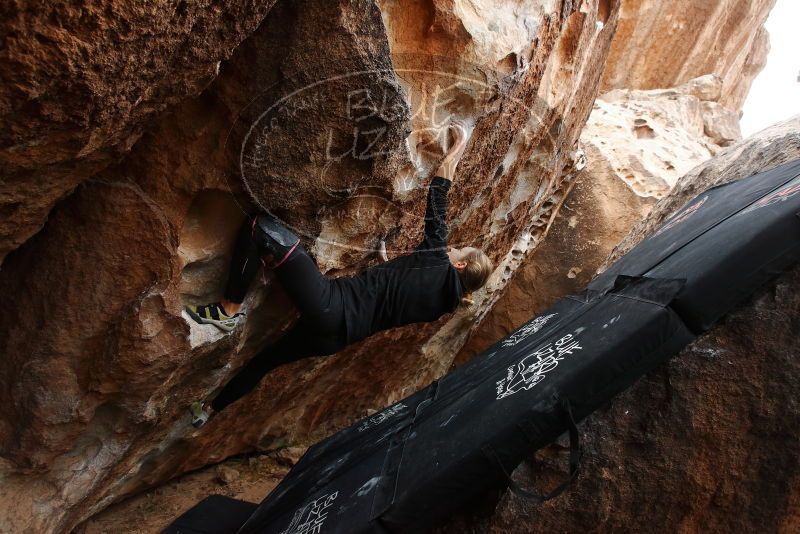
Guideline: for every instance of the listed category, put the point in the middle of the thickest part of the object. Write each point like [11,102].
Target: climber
[418,287]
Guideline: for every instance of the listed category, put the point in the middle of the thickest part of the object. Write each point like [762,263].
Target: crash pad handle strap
[574,462]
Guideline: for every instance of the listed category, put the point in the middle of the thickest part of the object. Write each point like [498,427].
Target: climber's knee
[275,242]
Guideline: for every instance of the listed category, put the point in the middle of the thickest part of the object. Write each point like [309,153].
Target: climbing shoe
[214,314]
[199,414]
[275,242]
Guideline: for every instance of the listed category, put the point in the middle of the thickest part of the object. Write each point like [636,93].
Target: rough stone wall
[664,44]
[637,144]
[99,361]
[709,441]
[652,138]
[81,80]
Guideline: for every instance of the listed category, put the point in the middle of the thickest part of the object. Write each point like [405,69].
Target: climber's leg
[244,267]
[321,329]
[248,377]
[299,343]
[245,263]
[275,241]
[315,296]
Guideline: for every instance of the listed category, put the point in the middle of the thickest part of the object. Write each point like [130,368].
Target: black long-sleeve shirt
[418,287]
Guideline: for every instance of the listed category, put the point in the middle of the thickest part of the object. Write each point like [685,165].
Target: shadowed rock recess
[82,80]
[138,135]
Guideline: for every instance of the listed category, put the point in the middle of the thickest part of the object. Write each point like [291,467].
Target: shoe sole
[202,320]
[198,420]
[199,423]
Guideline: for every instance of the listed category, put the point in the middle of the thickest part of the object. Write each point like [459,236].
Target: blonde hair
[475,274]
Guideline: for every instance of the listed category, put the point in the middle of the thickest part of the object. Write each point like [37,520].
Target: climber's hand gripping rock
[447,168]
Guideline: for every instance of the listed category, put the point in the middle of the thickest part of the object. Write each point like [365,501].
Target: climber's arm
[436,211]
[435,238]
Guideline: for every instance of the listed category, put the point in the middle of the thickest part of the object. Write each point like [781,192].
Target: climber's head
[473,266]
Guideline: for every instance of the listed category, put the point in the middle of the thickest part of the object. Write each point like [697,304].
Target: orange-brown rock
[710,441]
[664,44]
[81,80]
[99,363]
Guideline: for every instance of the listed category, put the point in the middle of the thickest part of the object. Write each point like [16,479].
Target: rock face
[643,135]
[99,362]
[82,80]
[651,138]
[637,144]
[664,44]
[709,441]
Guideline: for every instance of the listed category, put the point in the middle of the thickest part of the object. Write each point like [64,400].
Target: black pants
[320,330]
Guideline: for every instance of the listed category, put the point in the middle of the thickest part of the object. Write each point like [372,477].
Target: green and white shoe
[199,414]
[214,314]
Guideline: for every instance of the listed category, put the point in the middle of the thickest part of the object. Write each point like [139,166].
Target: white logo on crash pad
[309,518]
[380,417]
[533,368]
[526,330]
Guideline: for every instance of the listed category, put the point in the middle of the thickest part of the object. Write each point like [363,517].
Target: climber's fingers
[382,251]
[459,133]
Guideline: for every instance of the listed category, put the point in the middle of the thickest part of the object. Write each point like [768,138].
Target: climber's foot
[275,241]
[214,314]
[199,414]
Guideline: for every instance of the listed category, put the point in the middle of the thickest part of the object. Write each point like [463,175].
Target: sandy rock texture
[709,441]
[81,80]
[652,138]
[768,148]
[664,44]
[637,145]
[328,114]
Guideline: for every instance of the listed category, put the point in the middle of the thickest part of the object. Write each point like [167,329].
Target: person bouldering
[417,287]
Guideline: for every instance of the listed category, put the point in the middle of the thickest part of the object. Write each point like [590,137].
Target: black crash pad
[404,475]
[216,514]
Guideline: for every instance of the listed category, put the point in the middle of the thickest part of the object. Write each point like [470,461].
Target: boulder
[664,44]
[768,148]
[637,144]
[139,136]
[100,362]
